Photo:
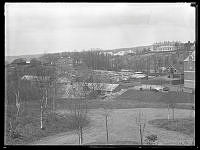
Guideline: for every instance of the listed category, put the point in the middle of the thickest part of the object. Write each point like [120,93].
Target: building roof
[192,57]
[64,80]
[35,78]
[102,86]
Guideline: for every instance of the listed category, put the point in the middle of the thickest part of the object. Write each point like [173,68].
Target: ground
[124,130]
[182,125]
[123,110]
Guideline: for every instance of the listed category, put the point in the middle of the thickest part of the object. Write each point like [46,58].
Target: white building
[165,46]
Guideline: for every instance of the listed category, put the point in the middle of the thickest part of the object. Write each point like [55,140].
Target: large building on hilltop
[165,46]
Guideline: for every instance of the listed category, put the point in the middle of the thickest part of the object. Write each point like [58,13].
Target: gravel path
[122,127]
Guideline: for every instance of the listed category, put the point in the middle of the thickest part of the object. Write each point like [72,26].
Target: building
[175,71]
[165,46]
[189,71]
[35,78]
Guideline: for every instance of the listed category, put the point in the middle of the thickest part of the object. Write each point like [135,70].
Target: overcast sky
[33,28]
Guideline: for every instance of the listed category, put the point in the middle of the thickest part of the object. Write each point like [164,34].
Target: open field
[128,103]
[119,104]
[151,96]
[183,125]
[125,130]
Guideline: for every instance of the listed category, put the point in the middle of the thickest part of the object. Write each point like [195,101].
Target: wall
[189,74]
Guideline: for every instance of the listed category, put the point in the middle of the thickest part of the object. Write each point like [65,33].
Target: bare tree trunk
[141,123]
[46,98]
[107,128]
[141,135]
[17,102]
[81,137]
[41,117]
[168,112]
[55,92]
[11,128]
[41,112]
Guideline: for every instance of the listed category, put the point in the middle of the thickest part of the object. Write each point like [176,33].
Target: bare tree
[79,110]
[172,106]
[106,114]
[42,82]
[141,122]
[18,72]
[80,92]
[168,114]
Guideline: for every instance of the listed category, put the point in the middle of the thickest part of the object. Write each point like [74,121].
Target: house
[189,71]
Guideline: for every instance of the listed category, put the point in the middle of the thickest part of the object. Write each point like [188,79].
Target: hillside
[9,59]
[139,48]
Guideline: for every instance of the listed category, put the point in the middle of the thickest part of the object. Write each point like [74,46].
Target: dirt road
[122,127]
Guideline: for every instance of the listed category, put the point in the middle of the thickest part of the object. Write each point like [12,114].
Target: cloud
[80,26]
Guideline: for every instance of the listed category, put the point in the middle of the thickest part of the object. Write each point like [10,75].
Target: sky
[34,28]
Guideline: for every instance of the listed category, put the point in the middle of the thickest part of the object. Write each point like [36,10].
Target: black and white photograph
[99,74]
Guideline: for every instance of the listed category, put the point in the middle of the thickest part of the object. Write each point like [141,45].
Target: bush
[93,94]
[151,139]
[17,132]
[26,128]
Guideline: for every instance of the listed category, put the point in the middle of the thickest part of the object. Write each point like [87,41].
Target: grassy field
[115,143]
[185,125]
[135,99]
[156,81]
[154,97]
[122,128]
[26,127]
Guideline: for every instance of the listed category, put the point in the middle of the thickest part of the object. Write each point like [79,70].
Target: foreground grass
[27,126]
[185,125]
[115,143]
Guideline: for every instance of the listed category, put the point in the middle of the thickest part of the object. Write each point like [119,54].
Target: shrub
[93,94]
[17,133]
[151,139]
